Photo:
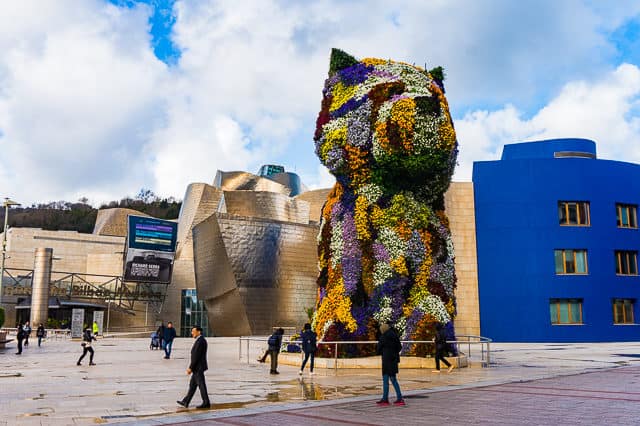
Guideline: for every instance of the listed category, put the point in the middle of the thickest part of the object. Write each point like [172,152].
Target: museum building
[557,244]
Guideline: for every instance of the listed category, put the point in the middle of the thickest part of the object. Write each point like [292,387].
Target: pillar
[40,286]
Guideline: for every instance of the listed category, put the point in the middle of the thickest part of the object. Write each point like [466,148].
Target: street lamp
[7,203]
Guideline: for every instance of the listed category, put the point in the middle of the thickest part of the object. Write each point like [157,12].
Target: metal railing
[463,341]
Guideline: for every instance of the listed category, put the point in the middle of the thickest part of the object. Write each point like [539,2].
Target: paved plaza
[527,384]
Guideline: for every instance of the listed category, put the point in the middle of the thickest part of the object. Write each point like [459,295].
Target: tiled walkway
[132,384]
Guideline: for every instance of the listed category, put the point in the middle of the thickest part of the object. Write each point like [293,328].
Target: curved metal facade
[518,231]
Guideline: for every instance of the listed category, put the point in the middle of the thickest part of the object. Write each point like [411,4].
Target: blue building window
[626,262]
[193,313]
[574,213]
[623,311]
[565,311]
[571,261]
[627,215]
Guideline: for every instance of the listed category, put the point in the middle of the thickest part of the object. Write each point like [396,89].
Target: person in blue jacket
[167,337]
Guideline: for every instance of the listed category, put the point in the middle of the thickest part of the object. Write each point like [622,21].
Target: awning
[56,303]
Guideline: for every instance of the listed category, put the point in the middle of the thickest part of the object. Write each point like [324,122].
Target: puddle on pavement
[8,375]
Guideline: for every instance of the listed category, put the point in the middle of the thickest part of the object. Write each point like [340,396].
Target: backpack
[273,342]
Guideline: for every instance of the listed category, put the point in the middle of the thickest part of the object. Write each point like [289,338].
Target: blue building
[557,244]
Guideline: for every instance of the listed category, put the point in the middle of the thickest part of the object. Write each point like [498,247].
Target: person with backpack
[441,348]
[87,337]
[389,347]
[309,347]
[274,342]
[40,333]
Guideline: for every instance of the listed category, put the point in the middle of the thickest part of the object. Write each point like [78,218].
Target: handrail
[460,340]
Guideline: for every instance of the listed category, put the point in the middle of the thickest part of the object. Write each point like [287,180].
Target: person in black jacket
[309,346]
[389,347]
[87,337]
[441,348]
[169,335]
[20,337]
[196,369]
[274,342]
[40,333]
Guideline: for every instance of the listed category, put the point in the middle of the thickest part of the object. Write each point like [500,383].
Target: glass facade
[193,312]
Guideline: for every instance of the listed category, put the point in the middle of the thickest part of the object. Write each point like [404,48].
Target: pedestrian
[309,346]
[441,348]
[20,337]
[274,342]
[40,333]
[160,332]
[87,337]
[27,333]
[96,329]
[389,347]
[196,369]
[169,335]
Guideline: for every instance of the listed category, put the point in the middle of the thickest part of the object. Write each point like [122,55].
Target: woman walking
[87,337]
[389,347]
[309,346]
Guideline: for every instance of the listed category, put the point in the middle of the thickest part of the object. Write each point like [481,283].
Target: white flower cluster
[326,326]
[371,82]
[335,124]
[336,244]
[381,272]
[434,306]
[416,81]
[450,249]
[395,246]
[371,192]
[384,313]
[323,223]
[401,327]
[425,133]
[384,113]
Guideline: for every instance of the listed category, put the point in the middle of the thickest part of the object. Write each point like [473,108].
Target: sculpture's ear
[340,60]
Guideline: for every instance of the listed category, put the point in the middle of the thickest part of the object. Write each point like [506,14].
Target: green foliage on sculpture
[385,251]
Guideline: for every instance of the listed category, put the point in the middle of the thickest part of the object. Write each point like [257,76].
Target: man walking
[20,337]
[27,333]
[196,369]
[169,335]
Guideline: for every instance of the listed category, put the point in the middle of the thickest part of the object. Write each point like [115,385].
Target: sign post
[77,323]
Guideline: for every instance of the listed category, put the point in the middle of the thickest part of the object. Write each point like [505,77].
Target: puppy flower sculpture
[384,249]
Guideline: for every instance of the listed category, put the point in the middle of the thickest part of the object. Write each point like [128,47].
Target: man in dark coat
[441,348]
[20,337]
[389,347]
[196,369]
[169,335]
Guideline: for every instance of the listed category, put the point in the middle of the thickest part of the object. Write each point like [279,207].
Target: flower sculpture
[384,249]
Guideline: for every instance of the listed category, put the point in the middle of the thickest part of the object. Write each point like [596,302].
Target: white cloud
[603,109]
[87,110]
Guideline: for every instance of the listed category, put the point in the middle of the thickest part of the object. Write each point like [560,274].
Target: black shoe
[166,357]
[273,372]
[92,363]
[78,363]
[204,406]
[18,353]
[184,404]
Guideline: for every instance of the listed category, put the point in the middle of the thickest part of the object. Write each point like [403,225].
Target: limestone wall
[460,209]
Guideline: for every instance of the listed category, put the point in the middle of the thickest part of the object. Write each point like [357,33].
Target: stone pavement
[135,385]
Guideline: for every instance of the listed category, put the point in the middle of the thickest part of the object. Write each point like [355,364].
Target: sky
[101,98]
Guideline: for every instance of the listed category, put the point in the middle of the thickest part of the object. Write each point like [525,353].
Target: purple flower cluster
[359,127]
[380,253]
[355,74]
[351,256]
[348,106]
[415,251]
[335,159]
[444,273]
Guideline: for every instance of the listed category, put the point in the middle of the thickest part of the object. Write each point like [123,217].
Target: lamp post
[7,203]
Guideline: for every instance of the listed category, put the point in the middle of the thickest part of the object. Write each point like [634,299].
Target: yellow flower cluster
[377,216]
[360,218]
[359,170]
[341,94]
[367,273]
[403,114]
[382,138]
[335,307]
[450,307]
[400,266]
[337,137]
[374,61]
